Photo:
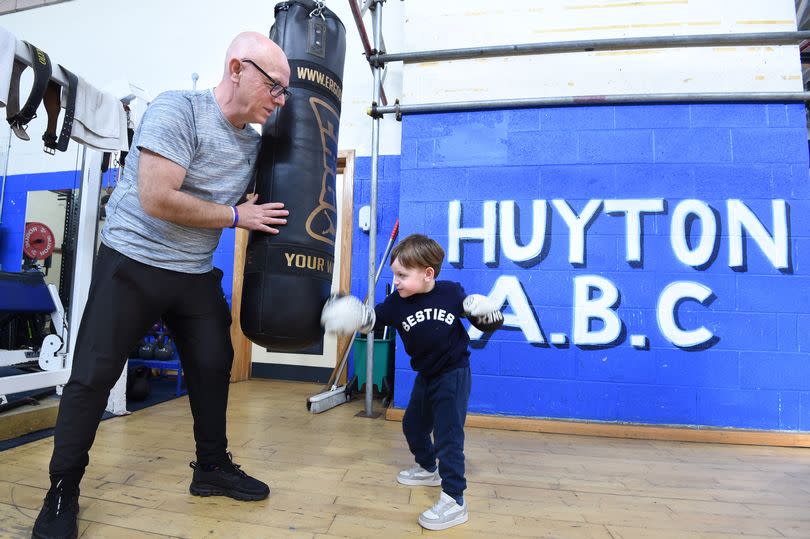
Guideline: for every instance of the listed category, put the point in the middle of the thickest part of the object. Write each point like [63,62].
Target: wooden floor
[332,475]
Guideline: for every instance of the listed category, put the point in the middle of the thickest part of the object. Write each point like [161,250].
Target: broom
[334,395]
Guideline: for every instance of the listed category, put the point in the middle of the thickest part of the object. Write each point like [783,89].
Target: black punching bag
[288,276]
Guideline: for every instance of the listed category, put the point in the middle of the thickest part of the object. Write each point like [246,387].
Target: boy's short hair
[419,251]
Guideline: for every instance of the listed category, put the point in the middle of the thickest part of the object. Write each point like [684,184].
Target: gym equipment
[146,350]
[53,104]
[17,117]
[344,314]
[487,322]
[157,351]
[38,241]
[165,348]
[288,277]
[79,247]
[138,388]
[23,298]
[482,313]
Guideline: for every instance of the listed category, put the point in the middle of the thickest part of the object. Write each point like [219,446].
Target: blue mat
[162,390]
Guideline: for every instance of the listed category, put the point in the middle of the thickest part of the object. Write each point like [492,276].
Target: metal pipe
[372,234]
[591,45]
[802,13]
[361,28]
[585,100]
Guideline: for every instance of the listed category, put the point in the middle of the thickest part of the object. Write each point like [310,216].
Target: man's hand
[254,216]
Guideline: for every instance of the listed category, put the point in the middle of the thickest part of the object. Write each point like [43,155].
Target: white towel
[8,45]
[99,120]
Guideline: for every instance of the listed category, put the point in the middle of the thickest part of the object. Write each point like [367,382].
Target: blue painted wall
[756,374]
[388,187]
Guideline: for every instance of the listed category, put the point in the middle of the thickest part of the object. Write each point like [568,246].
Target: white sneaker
[445,514]
[418,476]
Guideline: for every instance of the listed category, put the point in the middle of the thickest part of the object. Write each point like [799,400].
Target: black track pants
[126,298]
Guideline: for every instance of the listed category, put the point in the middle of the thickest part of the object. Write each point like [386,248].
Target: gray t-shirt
[189,129]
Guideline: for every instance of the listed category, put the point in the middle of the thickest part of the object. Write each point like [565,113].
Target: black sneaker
[59,513]
[226,479]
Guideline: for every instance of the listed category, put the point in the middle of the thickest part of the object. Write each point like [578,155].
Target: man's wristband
[235,216]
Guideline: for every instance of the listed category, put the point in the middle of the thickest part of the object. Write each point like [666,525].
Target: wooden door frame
[242,355]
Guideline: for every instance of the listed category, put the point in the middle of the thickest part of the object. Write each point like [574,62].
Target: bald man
[192,158]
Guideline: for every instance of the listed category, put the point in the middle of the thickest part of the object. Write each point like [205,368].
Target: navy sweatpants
[439,406]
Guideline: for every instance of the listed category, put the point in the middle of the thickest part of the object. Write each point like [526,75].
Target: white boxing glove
[478,305]
[483,313]
[344,315]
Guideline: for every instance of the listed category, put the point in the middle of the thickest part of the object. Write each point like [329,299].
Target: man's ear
[235,68]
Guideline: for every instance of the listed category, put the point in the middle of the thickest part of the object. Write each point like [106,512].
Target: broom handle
[333,379]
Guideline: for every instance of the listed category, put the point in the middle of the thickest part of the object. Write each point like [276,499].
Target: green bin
[383,374]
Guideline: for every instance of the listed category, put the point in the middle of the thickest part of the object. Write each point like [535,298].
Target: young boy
[427,314]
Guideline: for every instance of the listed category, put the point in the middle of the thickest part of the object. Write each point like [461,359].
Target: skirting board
[641,432]
[297,373]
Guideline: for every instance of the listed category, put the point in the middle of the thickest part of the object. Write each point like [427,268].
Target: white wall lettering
[632,210]
[507,289]
[774,247]
[577,225]
[673,294]
[595,317]
[508,226]
[596,308]
[678,233]
[456,233]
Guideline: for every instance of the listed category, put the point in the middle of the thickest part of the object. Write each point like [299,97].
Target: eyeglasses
[277,88]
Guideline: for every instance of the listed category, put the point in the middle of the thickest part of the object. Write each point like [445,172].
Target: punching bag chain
[318,11]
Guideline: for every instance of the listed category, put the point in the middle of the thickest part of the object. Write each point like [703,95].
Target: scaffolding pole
[594,45]
[357,15]
[376,8]
[592,100]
